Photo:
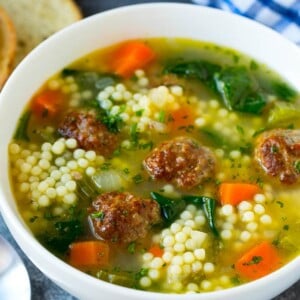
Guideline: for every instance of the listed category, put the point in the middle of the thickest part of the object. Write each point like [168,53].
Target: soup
[166,165]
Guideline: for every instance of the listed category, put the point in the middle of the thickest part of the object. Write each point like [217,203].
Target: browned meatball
[181,161]
[90,133]
[123,217]
[278,153]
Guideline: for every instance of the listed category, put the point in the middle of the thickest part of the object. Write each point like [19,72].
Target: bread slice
[7,45]
[36,20]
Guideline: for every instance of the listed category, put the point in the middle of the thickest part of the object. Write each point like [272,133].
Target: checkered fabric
[281,15]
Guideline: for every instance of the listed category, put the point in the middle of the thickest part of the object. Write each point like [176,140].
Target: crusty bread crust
[36,20]
[7,45]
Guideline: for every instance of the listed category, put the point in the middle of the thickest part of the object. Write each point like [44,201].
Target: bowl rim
[13,219]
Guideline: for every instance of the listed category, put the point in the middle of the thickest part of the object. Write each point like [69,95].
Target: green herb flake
[134,134]
[286,227]
[276,242]
[259,131]
[131,247]
[274,149]
[138,178]
[236,58]
[281,204]
[253,65]
[112,122]
[48,216]
[240,130]
[33,219]
[139,113]
[290,126]
[260,182]
[98,215]
[141,273]
[21,132]
[297,166]
[149,145]
[254,261]
[161,116]
[105,166]
[235,280]
[126,171]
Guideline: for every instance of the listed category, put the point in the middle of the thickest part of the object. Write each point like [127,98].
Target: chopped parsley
[126,171]
[240,130]
[235,280]
[137,179]
[131,247]
[134,134]
[286,227]
[33,219]
[139,113]
[145,146]
[105,166]
[254,261]
[281,204]
[141,273]
[98,215]
[161,116]
[112,122]
[297,166]
[274,149]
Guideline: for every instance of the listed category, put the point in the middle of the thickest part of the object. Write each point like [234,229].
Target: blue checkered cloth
[281,15]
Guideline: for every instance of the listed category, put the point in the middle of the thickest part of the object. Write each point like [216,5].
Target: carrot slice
[182,117]
[47,103]
[89,253]
[156,251]
[234,193]
[131,56]
[258,261]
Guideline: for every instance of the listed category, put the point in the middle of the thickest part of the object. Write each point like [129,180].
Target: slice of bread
[36,20]
[7,45]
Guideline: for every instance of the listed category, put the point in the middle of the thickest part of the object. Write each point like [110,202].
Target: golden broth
[53,184]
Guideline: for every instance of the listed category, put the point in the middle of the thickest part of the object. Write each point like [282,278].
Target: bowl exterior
[137,21]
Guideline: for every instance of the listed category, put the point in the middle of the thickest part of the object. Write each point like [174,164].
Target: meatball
[90,133]
[181,161]
[122,217]
[278,153]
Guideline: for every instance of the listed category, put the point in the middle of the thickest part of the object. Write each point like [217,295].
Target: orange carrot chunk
[258,261]
[234,193]
[182,117]
[156,251]
[131,56]
[47,103]
[89,254]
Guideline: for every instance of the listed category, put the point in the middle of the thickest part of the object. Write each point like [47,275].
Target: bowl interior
[139,21]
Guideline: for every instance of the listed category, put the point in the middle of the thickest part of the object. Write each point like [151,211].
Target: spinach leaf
[170,208]
[62,230]
[208,205]
[239,90]
[90,80]
[283,91]
[21,132]
[62,234]
[201,70]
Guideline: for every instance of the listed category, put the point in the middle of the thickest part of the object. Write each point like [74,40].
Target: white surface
[150,20]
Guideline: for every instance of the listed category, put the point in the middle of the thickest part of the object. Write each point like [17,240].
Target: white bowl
[138,21]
